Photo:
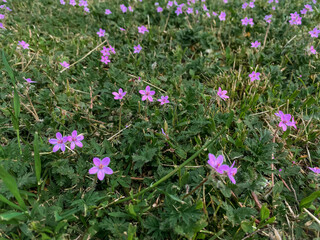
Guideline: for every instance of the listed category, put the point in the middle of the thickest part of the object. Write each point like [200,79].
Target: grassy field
[222,76]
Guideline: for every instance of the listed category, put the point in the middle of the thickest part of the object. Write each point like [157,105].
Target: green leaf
[16,104]
[118,214]
[131,210]
[247,226]
[11,184]
[7,216]
[264,212]
[37,161]
[131,231]
[306,202]
[8,68]
[11,204]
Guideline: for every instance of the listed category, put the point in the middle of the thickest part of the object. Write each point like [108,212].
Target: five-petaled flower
[267,18]
[59,142]
[119,95]
[101,32]
[75,139]
[255,44]
[314,33]
[65,64]
[163,100]
[222,16]
[142,29]
[254,76]
[216,163]
[137,48]
[147,94]
[222,94]
[101,168]
[24,45]
[285,120]
[107,12]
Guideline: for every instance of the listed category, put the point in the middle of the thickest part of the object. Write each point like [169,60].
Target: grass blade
[37,161]
[8,68]
[11,184]
[11,204]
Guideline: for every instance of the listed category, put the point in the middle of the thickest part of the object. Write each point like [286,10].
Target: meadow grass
[162,186]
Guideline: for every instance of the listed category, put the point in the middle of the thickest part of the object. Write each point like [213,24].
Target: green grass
[161,188]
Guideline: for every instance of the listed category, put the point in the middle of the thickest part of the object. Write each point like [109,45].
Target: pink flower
[130,9]
[267,18]
[222,16]
[2,26]
[303,11]
[251,4]
[216,163]
[2,16]
[72,2]
[214,14]
[314,33]
[24,45]
[101,32]
[147,94]
[142,29]
[315,170]
[83,3]
[190,10]
[119,95]
[231,171]
[75,139]
[101,168]
[163,100]
[159,9]
[112,50]
[123,8]
[122,29]
[59,142]
[247,21]
[170,4]
[245,5]
[86,9]
[255,44]
[105,59]
[62,2]
[222,94]
[105,51]
[29,80]
[205,8]
[137,48]
[285,120]
[254,76]
[179,10]
[312,50]
[107,12]
[65,64]
[308,7]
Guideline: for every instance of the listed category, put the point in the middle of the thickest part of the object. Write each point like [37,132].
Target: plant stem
[120,115]
[18,137]
[171,173]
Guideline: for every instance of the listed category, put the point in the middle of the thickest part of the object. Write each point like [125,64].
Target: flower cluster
[216,164]
[295,19]
[60,142]
[2,16]
[106,52]
[247,21]
[82,3]
[285,120]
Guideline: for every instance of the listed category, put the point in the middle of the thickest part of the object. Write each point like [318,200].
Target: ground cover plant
[146,119]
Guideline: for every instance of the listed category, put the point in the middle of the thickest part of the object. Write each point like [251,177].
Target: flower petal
[96,161]
[72,145]
[100,175]
[107,170]
[80,138]
[93,170]
[79,144]
[56,148]
[220,160]
[58,135]
[74,133]
[53,141]
[63,147]
[144,97]
[142,92]
[105,161]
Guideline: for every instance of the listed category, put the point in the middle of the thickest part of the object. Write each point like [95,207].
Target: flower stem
[170,174]
[120,115]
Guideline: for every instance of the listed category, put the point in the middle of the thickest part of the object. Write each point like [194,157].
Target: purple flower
[166,135]
[86,9]
[303,11]
[314,33]
[101,168]
[65,64]
[216,163]
[225,1]
[254,76]
[62,2]
[159,9]
[163,100]
[190,10]
[222,16]
[308,7]
[170,4]
[312,50]
[267,18]
[142,29]
[2,26]
[107,12]
[105,51]
[147,94]
[179,10]
[231,171]
[295,19]
[72,2]
[122,29]
[130,9]
[315,170]
[75,139]
[59,142]
[119,95]
[285,120]
[251,4]
[24,45]
[137,48]
[205,8]
[247,21]
[83,3]
[101,32]
[2,16]
[105,59]
[222,94]
[245,5]
[214,14]
[112,50]
[29,80]
[123,8]
[255,44]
